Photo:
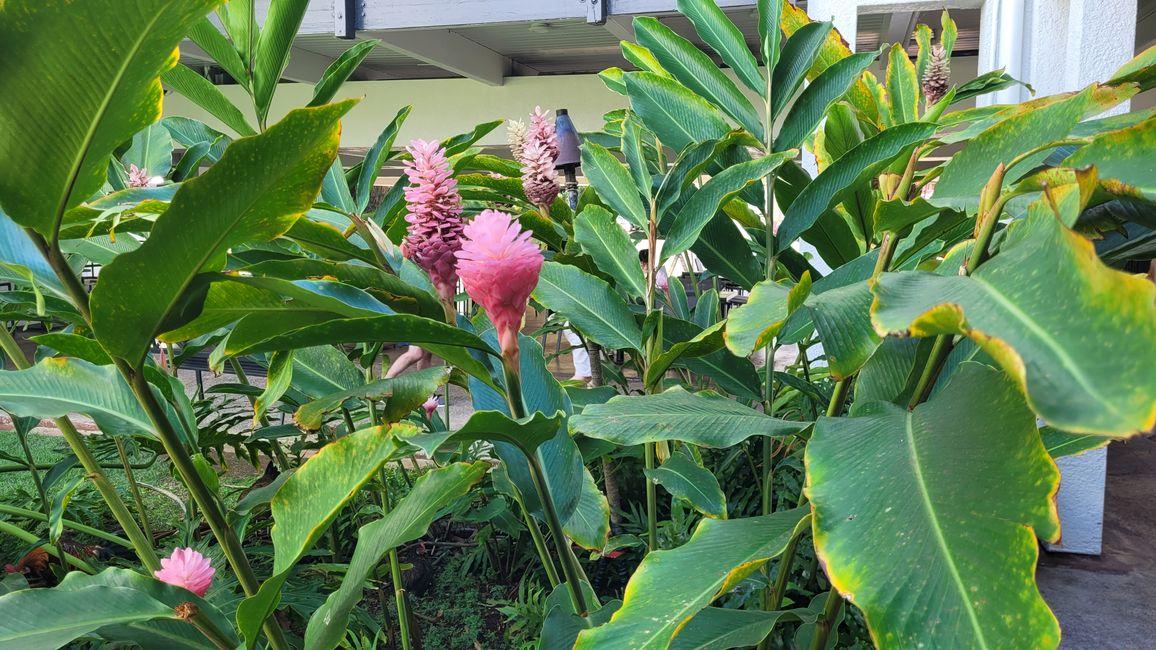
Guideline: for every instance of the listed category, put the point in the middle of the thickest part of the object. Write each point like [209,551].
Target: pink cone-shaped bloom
[516,136]
[499,265]
[435,216]
[138,177]
[430,406]
[538,174]
[187,568]
[542,131]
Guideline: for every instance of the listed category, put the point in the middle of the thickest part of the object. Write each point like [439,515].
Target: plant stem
[32,470]
[134,489]
[28,538]
[205,626]
[651,499]
[825,625]
[141,544]
[399,593]
[785,562]
[540,545]
[838,396]
[68,523]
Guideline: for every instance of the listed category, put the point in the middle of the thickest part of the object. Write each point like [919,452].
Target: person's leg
[579,355]
[411,356]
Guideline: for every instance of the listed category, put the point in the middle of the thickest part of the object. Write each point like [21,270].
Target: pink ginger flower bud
[516,136]
[542,131]
[187,568]
[138,177]
[499,265]
[538,174]
[430,406]
[435,209]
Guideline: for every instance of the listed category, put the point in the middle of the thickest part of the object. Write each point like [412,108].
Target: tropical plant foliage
[891,481]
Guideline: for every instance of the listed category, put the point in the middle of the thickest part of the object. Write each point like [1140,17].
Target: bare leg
[411,356]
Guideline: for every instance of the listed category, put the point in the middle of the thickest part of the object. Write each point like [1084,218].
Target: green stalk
[780,587]
[651,499]
[68,523]
[28,538]
[399,593]
[570,567]
[825,625]
[191,614]
[32,469]
[134,489]
[140,543]
[540,545]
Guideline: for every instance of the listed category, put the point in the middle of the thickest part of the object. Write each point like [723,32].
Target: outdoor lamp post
[569,156]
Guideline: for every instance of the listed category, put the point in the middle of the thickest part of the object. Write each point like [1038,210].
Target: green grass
[86,506]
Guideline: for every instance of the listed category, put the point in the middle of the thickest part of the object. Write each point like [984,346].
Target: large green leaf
[704,419]
[709,199]
[798,54]
[959,487]
[715,628]
[323,369]
[210,39]
[686,479]
[61,386]
[697,71]
[1061,443]
[51,618]
[722,248]
[734,374]
[307,503]
[386,287]
[724,38]
[677,115]
[597,230]
[818,96]
[22,263]
[66,108]
[670,587]
[339,71]
[844,175]
[403,394]
[203,93]
[151,150]
[843,318]
[1123,159]
[157,633]
[588,525]
[902,85]
[406,522]
[589,304]
[273,47]
[1050,313]
[754,324]
[612,182]
[376,156]
[969,170]
[256,191]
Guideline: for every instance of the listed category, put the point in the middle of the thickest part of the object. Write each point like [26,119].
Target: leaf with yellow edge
[959,487]
[902,86]
[754,324]
[1076,334]
[834,49]
[671,586]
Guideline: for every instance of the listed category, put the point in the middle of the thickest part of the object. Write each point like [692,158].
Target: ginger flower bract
[499,266]
[435,221]
[536,149]
[430,405]
[187,568]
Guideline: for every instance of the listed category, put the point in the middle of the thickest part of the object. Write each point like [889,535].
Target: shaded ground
[1105,602]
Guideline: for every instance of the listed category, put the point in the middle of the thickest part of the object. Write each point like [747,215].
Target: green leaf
[902,85]
[339,71]
[715,628]
[203,93]
[1122,159]
[703,419]
[376,156]
[636,159]
[736,375]
[308,502]
[836,182]
[51,618]
[613,183]
[722,249]
[325,240]
[386,287]
[670,587]
[1141,70]
[897,215]
[151,150]
[715,193]
[798,54]
[256,191]
[895,484]
[708,341]
[238,19]
[724,38]
[323,369]
[277,380]
[675,113]
[755,324]
[770,34]
[684,478]
[589,304]
[58,135]
[1061,443]
[843,318]
[408,521]
[60,386]
[1050,313]
[206,35]
[273,47]
[403,394]
[969,170]
[597,230]
[697,71]
[817,98]
[589,523]
[20,259]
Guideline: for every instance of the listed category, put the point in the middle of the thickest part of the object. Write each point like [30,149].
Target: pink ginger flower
[542,131]
[138,177]
[435,209]
[430,406]
[187,568]
[516,136]
[536,149]
[499,265]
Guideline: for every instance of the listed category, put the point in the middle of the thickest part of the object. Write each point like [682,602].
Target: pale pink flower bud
[430,406]
[435,209]
[516,136]
[138,177]
[542,131]
[538,174]
[499,266]
[187,568]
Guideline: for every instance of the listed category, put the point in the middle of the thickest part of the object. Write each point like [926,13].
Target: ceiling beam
[448,51]
[305,66]
[620,27]
[898,27]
